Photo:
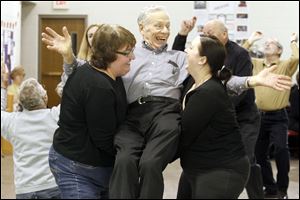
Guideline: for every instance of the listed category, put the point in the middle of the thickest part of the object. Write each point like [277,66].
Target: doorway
[50,62]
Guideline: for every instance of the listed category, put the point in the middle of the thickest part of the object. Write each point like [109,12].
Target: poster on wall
[234,14]
[10,33]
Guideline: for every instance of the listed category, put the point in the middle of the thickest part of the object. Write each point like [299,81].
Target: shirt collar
[157,51]
[269,65]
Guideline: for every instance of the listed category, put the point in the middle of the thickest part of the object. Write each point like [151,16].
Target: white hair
[144,14]
[276,42]
[31,94]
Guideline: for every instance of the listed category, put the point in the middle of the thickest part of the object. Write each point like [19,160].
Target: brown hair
[107,40]
[17,71]
[85,48]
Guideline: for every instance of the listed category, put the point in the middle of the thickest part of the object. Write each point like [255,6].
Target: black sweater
[210,134]
[239,62]
[294,109]
[93,106]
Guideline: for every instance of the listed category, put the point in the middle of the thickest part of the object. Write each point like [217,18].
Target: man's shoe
[270,194]
[282,195]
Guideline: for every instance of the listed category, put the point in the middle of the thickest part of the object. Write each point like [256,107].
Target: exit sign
[60,5]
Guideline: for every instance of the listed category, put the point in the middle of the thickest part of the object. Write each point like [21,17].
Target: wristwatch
[247,83]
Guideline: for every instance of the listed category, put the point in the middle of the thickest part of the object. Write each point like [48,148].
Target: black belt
[143,100]
[272,111]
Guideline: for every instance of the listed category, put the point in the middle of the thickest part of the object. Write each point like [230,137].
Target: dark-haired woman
[211,150]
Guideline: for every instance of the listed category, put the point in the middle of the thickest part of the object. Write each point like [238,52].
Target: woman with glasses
[93,106]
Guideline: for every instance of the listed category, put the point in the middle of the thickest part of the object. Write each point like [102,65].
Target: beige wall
[278,19]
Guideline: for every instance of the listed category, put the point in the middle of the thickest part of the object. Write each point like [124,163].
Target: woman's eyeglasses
[125,53]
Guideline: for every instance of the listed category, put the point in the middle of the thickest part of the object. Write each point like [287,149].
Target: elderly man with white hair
[148,139]
[31,134]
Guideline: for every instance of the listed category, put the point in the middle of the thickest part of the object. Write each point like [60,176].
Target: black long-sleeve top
[179,42]
[239,62]
[210,133]
[294,109]
[93,106]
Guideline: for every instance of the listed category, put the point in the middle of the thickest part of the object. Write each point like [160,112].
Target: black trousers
[274,131]
[145,144]
[249,122]
[222,182]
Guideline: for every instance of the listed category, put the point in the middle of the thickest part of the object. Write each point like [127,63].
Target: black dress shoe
[282,195]
[270,194]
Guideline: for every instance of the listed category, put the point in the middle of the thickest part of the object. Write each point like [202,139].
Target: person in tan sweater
[274,119]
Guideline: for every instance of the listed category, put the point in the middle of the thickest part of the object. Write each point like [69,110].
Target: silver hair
[279,46]
[144,14]
[31,94]
[277,43]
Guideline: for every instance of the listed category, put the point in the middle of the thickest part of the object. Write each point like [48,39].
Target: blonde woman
[17,76]
[85,47]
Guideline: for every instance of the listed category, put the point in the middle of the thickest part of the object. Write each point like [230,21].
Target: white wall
[278,19]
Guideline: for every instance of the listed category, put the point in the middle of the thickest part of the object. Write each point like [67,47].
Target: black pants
[223,182]
[249,122]
[145,144]
[274,130]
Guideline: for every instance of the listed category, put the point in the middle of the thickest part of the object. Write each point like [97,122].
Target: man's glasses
[275,42]
[125,53]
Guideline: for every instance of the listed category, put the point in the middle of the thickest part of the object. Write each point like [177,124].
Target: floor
[171,176]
